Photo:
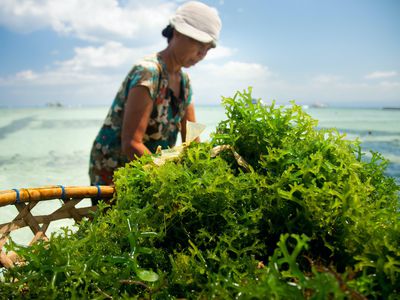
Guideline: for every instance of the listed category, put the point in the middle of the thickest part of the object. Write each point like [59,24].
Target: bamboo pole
[8,197]
[26,199]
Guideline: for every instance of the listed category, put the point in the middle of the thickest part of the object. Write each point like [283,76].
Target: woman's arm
[137,112]
[189,116]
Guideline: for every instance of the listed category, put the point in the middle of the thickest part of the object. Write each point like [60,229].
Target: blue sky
[336,52]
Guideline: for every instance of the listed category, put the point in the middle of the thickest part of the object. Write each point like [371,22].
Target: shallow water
[50,146]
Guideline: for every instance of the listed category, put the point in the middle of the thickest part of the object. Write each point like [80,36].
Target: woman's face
[189,51]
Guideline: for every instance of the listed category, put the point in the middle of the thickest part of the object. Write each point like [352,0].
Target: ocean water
[50,146]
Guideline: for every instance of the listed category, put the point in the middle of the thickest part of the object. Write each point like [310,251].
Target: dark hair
[168,32]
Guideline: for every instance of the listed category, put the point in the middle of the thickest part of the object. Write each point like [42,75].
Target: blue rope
[18,196]
[98,192]
[62,192]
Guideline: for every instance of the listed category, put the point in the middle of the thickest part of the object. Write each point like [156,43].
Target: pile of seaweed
[284,211]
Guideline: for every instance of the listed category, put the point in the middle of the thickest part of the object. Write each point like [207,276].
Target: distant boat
[319,105]
[396,108]
[54,104]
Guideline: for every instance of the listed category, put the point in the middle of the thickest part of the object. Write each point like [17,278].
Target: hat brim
[192,32]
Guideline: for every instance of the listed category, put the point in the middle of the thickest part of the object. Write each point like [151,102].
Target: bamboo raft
[26,199]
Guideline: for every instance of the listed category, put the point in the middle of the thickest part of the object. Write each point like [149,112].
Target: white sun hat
[198,21]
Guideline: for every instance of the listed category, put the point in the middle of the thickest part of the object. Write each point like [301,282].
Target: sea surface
[50,146]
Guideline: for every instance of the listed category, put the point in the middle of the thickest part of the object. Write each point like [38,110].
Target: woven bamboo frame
[26,199]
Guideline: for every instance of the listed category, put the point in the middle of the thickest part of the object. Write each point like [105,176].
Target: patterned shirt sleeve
[145,74]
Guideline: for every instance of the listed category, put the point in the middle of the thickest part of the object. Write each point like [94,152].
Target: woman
[155,99]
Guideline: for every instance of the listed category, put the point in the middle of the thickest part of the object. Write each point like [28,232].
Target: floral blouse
[164,124]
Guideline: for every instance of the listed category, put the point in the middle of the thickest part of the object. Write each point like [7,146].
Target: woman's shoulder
[146,69]
[149,63]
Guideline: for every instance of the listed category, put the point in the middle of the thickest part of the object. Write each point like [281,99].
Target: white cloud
[219,52]
[113,57]
[93,73]
[26,75]
[212,80]
[96,20]
[57,77]
[381,74]
[235,70]
[389,84]
[346,92]
[88,63]
[109,55]
[89,78]
[325,79]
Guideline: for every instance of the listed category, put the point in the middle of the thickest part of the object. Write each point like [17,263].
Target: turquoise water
[50,146]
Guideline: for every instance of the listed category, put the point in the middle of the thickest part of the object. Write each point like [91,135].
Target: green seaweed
[311,218]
